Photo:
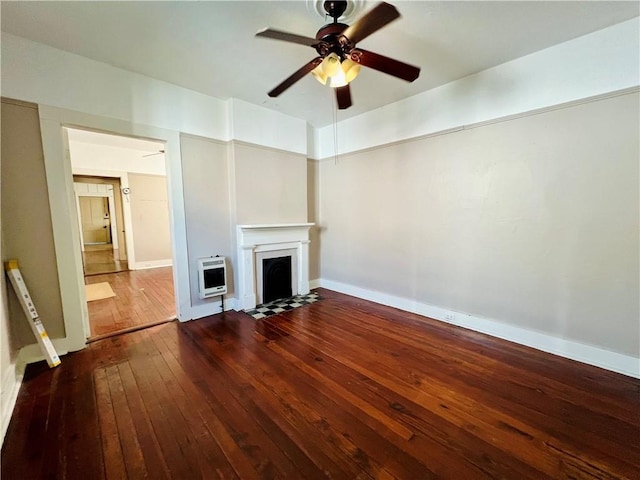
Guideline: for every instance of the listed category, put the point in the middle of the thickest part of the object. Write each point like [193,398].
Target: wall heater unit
[212,276]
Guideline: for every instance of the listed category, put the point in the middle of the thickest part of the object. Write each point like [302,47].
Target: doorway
[95,220]
[100,217]
[119,185]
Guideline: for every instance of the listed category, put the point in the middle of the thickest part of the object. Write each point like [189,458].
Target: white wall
[48,76]
[260,126]
[205,168]
[270,185]
[601,62]
[10,370]
[80,92]
[532,222]
[26,236]
[506,202]
[150,219]
[53,77]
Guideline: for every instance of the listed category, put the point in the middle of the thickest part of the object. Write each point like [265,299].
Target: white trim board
[589,354]
[213,307]
[167,262]
[11,382]
[12,379]
[63,210]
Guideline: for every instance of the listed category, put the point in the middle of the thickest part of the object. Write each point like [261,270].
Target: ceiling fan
[339,59]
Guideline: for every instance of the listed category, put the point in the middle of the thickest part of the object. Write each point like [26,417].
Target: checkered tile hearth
[282,305]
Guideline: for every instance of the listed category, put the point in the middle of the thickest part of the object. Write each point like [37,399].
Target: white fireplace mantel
[253,239]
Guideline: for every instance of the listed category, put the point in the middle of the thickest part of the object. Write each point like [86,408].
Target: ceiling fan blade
[286,37]
[388,65]
[343,96]
[375,19]
[297,75]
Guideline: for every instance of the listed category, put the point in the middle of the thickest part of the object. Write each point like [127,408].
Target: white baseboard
[230,304]
[11,382]
[207,309]
[589,354]
[153,264]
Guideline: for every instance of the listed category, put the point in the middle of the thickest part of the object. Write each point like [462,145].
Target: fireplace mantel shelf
[275,225]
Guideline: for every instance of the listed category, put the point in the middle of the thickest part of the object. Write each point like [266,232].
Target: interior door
[94,212]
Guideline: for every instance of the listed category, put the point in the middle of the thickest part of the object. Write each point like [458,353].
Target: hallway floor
[143,297]
[99,259]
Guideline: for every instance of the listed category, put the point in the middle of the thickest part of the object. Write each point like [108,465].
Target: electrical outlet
[449,317]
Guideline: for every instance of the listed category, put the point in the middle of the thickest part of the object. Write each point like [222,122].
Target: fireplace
[258,244]
[276,274]
[276,279]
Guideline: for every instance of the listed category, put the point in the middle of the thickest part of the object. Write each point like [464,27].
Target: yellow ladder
[29,308]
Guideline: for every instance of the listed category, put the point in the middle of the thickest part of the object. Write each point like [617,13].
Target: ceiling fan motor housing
[330,40]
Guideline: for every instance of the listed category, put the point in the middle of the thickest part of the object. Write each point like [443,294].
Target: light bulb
[351,69]
[331,64]
[338,80]
[319,74]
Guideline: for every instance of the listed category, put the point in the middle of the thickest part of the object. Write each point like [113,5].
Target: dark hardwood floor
[143,297]
[341,388]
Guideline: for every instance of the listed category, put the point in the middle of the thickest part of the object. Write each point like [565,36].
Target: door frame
[127,221]
[112,209]
[65,224]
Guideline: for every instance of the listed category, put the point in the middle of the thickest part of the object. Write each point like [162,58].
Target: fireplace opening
[276,278]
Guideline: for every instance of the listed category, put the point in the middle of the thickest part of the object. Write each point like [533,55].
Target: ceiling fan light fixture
[336,74]
[338,61]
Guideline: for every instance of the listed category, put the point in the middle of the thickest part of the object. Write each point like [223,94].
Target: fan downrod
[335,8]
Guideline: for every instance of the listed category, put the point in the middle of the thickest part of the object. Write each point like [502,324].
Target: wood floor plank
[517,438]
[82,444]
[199,412]
[141,297]
[229,390]
[301,428]
[52,460]
[568,413]
[111,450]
[435,426]
[468,359]
[166,420]
[202,443]
[232,411]
[131,448]
[342,388]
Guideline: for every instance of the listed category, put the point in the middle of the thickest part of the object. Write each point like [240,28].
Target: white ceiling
[209,46]
[140,145]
